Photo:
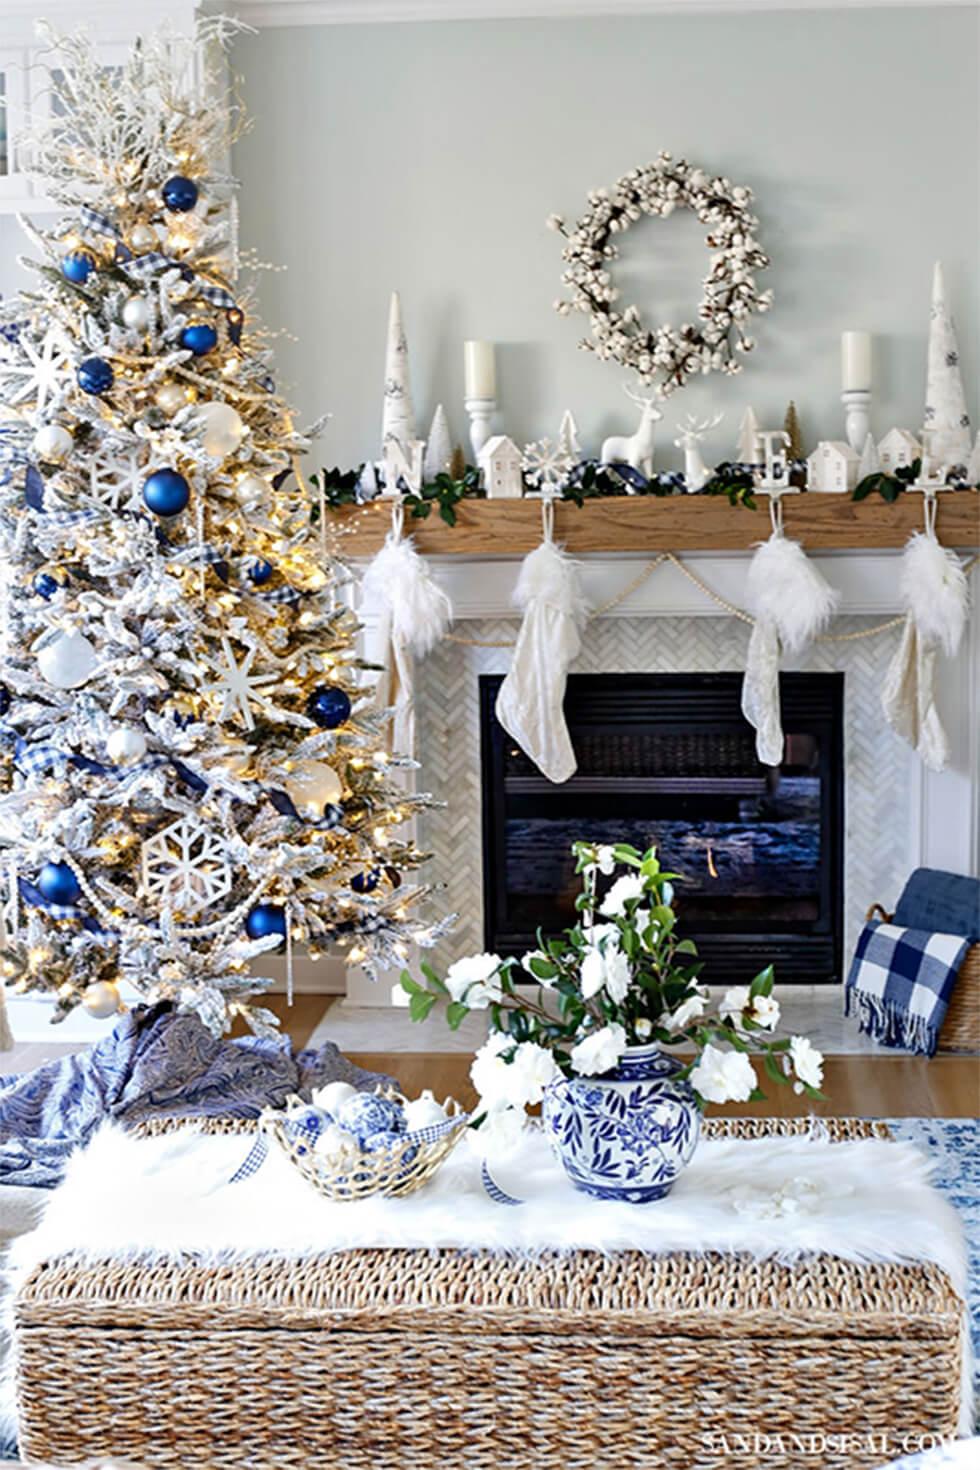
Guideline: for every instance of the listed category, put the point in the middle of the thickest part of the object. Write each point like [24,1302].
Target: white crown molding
[272,13]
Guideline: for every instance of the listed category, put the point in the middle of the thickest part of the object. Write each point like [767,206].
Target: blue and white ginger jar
[628,1134]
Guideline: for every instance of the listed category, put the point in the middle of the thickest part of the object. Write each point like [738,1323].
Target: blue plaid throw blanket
[900,984]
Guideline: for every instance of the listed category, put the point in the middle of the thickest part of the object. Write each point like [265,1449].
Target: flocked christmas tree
[189,768]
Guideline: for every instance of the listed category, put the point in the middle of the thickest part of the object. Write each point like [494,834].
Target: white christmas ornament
[424,1111]
[331,1095]
[101,999]
[690,432]
[335,1144]
[568,435]
[186,867]
[240,687]
[946,430]
[312,786]
[142,237]
[126,745]
[137,313]
[501,462]
[220,427]
[52,443]
[636,449]
[251,488]
[68,662]
[398,421]
[747,443]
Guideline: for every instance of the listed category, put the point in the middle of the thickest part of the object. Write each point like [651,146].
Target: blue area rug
[953,1144]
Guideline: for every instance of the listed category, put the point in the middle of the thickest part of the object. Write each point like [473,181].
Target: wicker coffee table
[410,1360]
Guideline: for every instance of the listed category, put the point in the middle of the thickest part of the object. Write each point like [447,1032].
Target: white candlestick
[480,370]
[855,362]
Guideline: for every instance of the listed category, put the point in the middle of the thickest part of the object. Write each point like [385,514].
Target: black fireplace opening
[669,759]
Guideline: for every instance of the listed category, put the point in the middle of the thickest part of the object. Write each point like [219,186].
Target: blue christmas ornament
[328,706]
[6,699]
[199,338]
[366,882]
[386,1140]
[367,1114]
[265,919]
[260,571]
[58,884]
[77,266]
[166,493]
[180,194]
[95,375]
[46,584]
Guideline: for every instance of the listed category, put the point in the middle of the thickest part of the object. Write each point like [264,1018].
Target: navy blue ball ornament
[77,266]
[328,707]
[6,699]
[166,493]
[180,194]
[260,571]
[264,920]
[46,584]
[58,884]
[367,881]
[95,376]
[199,338]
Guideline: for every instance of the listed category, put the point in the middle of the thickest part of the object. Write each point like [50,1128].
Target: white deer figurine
[690,434]
[635,449]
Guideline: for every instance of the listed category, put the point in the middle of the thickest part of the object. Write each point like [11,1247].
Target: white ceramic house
[500,461]
[832,467]
[897,450]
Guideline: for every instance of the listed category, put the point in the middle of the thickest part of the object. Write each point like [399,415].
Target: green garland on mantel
[593,481]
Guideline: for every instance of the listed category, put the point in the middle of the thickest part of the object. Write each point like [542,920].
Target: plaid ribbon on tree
[155,261]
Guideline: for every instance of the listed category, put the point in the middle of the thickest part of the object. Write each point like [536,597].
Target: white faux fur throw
[871,1200]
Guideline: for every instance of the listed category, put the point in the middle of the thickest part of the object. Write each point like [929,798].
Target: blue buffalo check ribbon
[154,261]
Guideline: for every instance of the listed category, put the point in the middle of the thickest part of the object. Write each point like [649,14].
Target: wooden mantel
[645,523]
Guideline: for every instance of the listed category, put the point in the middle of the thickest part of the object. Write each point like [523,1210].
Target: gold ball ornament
[142,237]
[101,999]
[52,443]
[221,429]
[170,398]
[251,488]
[137,313]
[312,786]
[126,745]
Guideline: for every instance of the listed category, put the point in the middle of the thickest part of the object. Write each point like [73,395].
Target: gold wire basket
[399,1170]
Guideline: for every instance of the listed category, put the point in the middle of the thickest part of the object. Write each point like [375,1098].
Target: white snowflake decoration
[45,371]
[547,465]
[240,687]
[185,867]
[116,477]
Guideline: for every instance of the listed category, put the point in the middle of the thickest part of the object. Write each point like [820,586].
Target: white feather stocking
[935,592]
[792,602]
[529,705]
[417,614]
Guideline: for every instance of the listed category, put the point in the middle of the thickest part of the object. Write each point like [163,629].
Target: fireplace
[669,759]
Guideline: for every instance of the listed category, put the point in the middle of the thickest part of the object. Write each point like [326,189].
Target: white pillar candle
[855,360]
[481,374]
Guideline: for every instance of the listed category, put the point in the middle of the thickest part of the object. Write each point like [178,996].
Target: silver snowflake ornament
[547,465]
[116,477]
[185,867]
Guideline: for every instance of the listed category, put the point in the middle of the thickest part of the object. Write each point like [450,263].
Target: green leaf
[773,1069]
[456,1014]
[420,1005]
[543,969]
[448,513]
[763,982]
[433,978]
[410,986]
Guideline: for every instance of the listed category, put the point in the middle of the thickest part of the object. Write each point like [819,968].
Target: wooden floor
[854,1086]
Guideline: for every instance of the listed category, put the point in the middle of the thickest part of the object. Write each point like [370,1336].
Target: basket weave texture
[416,1360]
[961,1028]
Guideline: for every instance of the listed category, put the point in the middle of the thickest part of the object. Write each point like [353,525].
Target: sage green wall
[427,157]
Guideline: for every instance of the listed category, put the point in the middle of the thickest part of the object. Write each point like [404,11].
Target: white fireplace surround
[939,825]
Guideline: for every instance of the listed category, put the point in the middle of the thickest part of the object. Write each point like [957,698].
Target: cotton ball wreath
[221,429]
[667,355]
[68,662]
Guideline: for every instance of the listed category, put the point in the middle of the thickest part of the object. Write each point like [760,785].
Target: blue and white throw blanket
[900,984]
[154,1064]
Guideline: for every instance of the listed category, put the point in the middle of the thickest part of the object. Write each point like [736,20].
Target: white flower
[686,1012]
[643,1028]
[807,1063]
[474,980]
[723,1076]
[500,1133]
[618,975]
[628,887]
[762,1009]
[592,972]
[515,1083]
[600,1051]
[605,860]
[600,934]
